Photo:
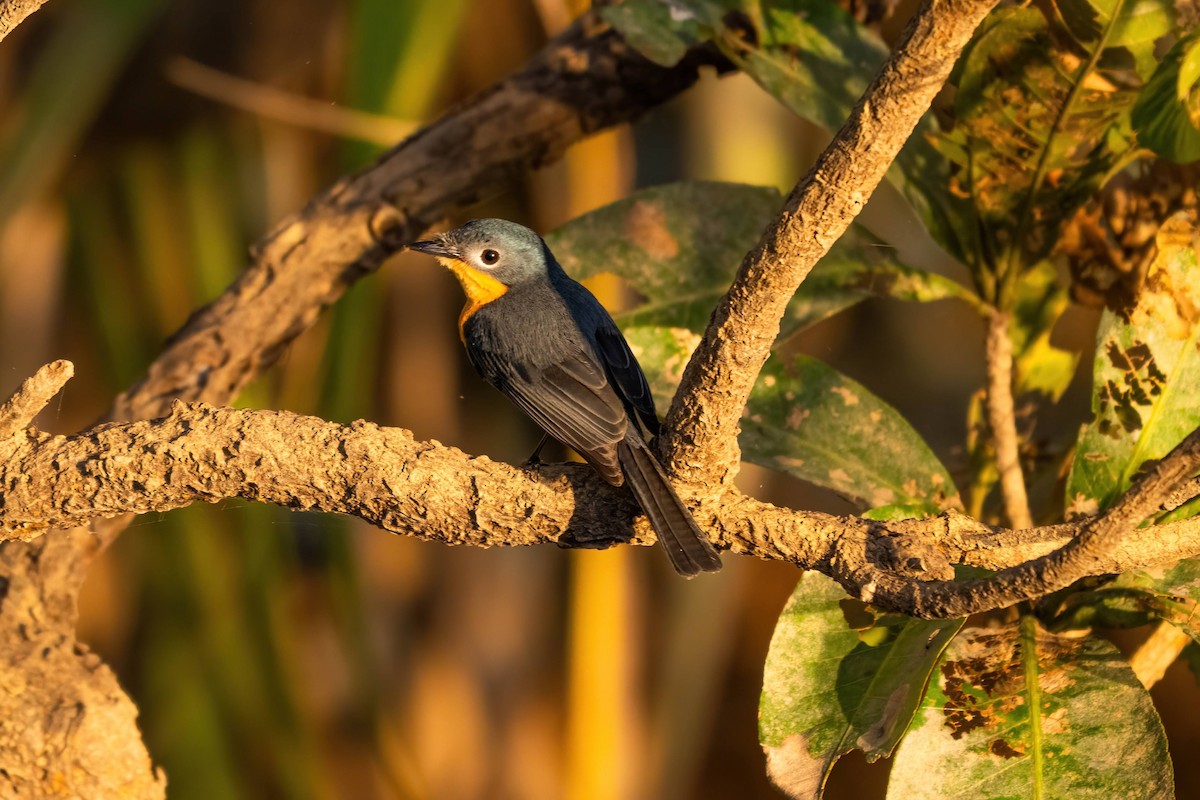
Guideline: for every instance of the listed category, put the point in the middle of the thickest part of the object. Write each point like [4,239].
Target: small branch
[14,12]
[18,411]
[1098,539]
[702,425]
[1002,419]
[1185,493]
[1157,653]
[271,103]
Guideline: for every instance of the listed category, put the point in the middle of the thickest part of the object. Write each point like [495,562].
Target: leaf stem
[1033,692]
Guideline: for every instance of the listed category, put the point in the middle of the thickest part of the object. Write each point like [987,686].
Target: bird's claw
[532,467]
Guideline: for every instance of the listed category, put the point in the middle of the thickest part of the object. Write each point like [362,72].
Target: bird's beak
[435,247]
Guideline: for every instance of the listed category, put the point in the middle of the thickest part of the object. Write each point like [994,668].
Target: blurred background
[144,145]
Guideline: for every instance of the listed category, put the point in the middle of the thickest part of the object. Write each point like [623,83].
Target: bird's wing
[571,400]
[626,374]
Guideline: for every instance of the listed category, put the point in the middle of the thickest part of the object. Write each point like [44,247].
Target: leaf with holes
[840,677]
[807,419]
[1036,133]
[1146,384]
[680,244]
[1019,712]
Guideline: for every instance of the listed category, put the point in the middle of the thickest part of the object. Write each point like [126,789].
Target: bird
[545,342]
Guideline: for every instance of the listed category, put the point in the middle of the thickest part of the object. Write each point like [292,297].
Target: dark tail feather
[686,545]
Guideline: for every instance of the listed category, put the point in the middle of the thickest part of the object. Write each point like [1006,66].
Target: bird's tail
[686,545]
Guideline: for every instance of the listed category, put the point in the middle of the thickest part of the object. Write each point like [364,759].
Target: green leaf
[680,244]
[1040,366]
[817,60]
[661,31]
[1134,25]
[1019,712]
[838,677]
[1167,113]
[1036,134]
[808,420]
[1146,385]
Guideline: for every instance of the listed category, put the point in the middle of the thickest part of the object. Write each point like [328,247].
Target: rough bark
[14,12]
[428,490]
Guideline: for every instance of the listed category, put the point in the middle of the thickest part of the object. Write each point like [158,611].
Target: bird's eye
[489,257]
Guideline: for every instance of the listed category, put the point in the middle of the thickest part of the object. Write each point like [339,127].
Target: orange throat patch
[479,287]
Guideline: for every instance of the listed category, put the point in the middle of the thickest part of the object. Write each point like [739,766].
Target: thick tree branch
[14,12]
[424,489]
[702,426]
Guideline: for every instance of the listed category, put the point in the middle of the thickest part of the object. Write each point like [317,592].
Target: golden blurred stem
[604,724]
[601,702]
[1157,653]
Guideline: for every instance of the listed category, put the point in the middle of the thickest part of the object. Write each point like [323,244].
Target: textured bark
[14,12]
[584,80]
[701,444]
[428,490]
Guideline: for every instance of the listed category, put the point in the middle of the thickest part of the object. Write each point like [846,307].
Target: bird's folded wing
[626,374]
[573,402]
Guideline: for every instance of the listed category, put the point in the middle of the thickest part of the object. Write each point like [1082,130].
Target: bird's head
[488,256]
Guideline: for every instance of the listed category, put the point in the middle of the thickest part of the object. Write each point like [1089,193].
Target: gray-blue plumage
[544,341]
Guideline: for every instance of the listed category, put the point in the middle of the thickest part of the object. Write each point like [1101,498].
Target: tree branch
[1097,541]
[1002,419]
[14,12]
[427,490]
[702,426]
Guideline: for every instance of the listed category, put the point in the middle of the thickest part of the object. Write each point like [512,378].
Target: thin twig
[18,411]
[276,104]
[1002,420]
[702,425]
[1098,538]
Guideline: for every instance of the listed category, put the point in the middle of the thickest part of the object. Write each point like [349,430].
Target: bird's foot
[532,467]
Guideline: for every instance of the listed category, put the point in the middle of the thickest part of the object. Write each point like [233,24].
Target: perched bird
[545,341]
